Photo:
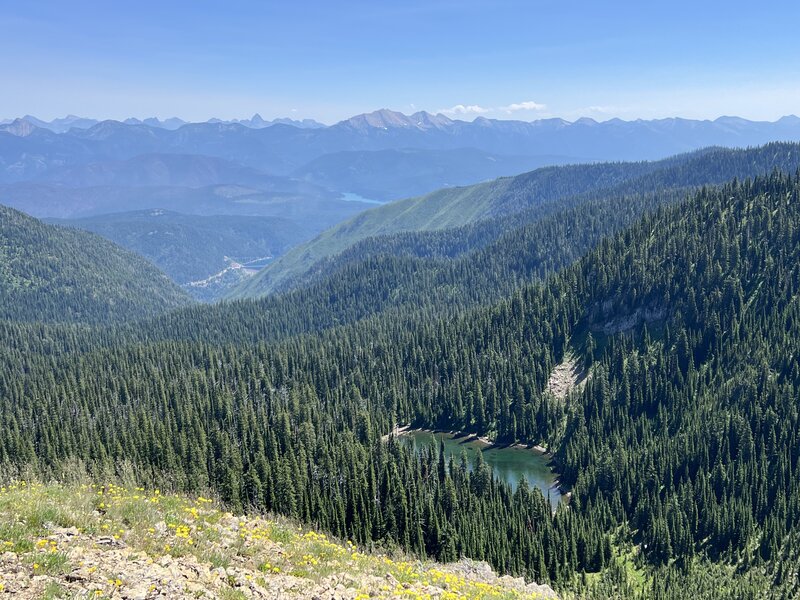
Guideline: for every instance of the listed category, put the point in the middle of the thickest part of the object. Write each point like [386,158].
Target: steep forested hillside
[456,221]
[682,450]
[56,274]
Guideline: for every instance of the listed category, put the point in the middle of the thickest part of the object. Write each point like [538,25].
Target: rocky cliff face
[108,542]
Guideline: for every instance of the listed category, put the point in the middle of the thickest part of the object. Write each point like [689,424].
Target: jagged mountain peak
[19,128]
[390,119]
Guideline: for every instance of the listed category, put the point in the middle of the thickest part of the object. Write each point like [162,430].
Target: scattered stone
[64,533]
[107,540]
[565,377]
[103,566]
[79,575]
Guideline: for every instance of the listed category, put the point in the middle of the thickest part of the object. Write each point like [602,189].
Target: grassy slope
[447,209]
[90,541]
[443,209]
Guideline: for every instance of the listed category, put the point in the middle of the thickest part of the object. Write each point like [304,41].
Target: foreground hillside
[94,541]
[50,273]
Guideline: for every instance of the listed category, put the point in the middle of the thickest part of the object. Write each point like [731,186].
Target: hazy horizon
[465,118]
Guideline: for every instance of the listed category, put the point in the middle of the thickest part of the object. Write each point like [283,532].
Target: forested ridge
[56,274]
[193,248]
[461,220]
[681,450]
[442,272]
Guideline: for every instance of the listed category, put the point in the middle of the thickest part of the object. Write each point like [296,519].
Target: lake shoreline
[487,444]
[472,437]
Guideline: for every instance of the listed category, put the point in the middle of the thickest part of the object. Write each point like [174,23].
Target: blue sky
[330,60]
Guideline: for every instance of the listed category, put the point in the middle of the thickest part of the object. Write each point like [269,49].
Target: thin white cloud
[527,105]
[601,112]
[465,109]
[477,109]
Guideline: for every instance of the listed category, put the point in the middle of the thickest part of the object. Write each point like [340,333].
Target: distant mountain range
[315,176]
[414,154]
[64,124]
[283,145]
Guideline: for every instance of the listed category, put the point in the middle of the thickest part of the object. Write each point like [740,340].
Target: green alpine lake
[508,463]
